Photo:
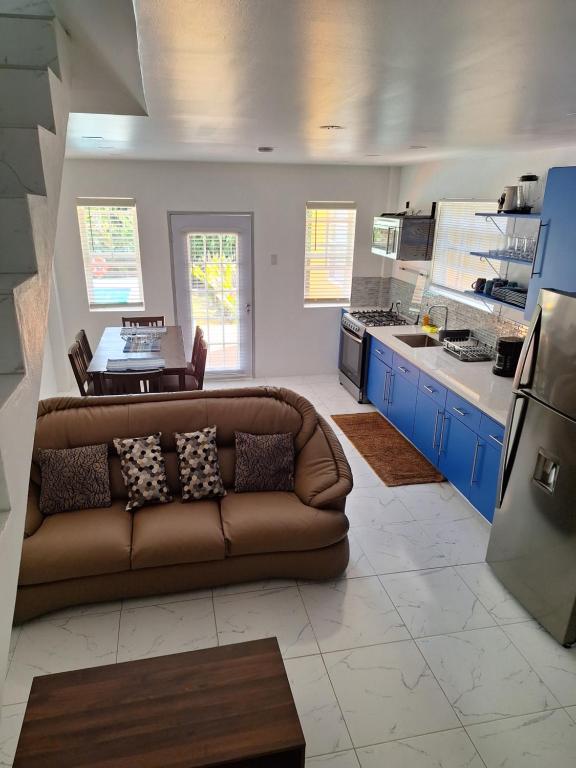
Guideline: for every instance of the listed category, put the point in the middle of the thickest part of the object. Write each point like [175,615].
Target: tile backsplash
[384,291]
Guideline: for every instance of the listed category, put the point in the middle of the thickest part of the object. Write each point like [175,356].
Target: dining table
[111,346]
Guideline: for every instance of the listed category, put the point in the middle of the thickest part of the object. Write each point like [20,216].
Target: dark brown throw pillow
[264,462]
[143,470]
[74,478]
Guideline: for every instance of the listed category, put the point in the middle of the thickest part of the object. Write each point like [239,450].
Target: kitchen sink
[418,340]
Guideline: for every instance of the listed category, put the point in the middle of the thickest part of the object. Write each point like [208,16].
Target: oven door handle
[357,339]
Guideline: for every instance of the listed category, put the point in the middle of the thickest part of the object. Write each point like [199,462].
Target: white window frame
[89,255]
[462,241]
[338,257]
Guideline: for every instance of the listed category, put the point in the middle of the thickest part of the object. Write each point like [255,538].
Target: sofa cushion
[74,478]
[277,522]
[175,533]
[264,462]
[87,542]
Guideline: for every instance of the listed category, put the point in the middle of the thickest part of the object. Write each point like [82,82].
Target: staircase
[34,97]
[33,119]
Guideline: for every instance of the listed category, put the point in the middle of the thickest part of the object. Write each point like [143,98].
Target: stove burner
[378,317]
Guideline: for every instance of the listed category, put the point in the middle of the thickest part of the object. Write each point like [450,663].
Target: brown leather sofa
[94,555]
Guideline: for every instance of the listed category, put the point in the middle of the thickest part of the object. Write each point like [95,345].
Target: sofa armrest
[323,477]
[34,518]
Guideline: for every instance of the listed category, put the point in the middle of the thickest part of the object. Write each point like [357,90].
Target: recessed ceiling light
[332,127]
[93,138]
[265,149]
[377,154]
[571,114]
[417,146]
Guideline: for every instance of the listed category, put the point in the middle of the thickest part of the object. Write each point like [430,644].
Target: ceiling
[408,80]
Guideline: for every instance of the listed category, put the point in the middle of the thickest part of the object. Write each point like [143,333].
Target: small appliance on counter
[508,349]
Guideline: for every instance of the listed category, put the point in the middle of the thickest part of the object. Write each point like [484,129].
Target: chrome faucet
[440,306]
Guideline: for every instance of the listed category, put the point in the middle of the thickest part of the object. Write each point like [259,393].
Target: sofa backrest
[77,421]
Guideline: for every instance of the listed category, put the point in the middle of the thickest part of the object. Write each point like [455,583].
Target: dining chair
[80,369]
[82,339]
[194,378]
[133,382]
[150,321]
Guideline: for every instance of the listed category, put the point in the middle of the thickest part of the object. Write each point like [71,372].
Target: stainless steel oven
[352,362]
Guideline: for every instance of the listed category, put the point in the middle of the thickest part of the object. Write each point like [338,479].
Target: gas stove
[357,320]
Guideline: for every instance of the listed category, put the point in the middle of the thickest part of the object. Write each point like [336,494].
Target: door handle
[441,441]
[385,392]
[248,308]
[431,390]
[528,342]
[404,370]
[438,412]
[533,271]
[351,336]
[509,439]
[459,411]
[496,440]
[476,449]
[391,388]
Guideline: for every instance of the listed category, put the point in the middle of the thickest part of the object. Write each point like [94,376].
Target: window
[459,231]
[109,238]
[330,230]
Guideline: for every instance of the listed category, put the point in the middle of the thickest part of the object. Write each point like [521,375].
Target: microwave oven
[404,238]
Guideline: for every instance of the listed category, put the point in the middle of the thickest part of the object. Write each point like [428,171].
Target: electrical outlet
[273,259]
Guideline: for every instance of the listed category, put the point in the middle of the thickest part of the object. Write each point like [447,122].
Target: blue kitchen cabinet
[484,479]
[377,382]
[402,403]
[427,419]
[457,446]
[554,262]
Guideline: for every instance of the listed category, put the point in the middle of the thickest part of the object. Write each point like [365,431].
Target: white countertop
[473,381]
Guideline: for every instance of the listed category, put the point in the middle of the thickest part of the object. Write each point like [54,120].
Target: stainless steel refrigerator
[532,547]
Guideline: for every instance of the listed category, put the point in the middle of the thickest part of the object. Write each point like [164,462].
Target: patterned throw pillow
[74,478]
[198,464]
[143,470]
[264,462]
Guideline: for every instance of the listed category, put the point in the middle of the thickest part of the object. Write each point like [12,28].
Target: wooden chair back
[79,367]
[200,365]
[197,336]
[133,382]
[82,339]
[150,321]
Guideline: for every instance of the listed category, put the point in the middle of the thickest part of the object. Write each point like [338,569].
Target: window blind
[330,232]
[111,253]
[459,231]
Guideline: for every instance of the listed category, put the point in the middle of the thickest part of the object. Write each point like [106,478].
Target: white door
[212,278]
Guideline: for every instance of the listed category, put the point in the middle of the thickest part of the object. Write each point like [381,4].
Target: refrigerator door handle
[510,438]
[530,340]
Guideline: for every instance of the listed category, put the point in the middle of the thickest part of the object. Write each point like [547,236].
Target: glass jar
[527,192]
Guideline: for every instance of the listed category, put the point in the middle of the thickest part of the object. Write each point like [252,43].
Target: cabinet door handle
[401,368]
[459,411]
[476,449]
[391,388]
[385,393]
[534,271]
[441,441]
[378,351]
[496,440]
[438,412]
[429,389]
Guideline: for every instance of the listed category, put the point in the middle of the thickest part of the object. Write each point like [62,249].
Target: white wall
[289,339]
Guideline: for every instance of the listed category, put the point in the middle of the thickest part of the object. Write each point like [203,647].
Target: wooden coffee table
[221,706]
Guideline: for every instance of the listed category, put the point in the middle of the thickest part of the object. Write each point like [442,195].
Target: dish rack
[466,347]
[511,296]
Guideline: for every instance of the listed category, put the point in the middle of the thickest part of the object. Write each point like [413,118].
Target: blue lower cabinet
[484,479]
[427,421]
[377,382]
[457,446]
[402,395]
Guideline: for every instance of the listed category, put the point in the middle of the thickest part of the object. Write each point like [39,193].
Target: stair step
[8,282]
[27,8]
[29,43]
[25,99]
[21,171]
[11,360]
[16,239]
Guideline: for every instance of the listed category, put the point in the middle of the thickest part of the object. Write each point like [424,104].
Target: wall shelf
[492,300]
[509,215]
[502,257]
